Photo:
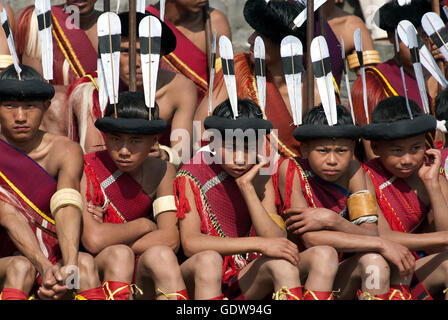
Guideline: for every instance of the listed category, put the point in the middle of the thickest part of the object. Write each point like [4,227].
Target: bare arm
[23,237]
[220,23]
[69,158]
[193,241]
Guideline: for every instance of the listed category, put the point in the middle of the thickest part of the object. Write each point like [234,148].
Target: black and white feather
[109,40]
[260,70]
[228,69]
[212,74]
[141,6]
[426,58]
[301,17]
[413,48]
[400,64]
[9,38]
[357,37]
[320,58]
[150,32]
[43,13]
[291,51]
[436,30]
[162,10]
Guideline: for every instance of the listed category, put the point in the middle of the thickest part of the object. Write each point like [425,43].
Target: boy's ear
[374,145]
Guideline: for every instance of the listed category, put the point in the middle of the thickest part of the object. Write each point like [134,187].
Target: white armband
[65,197]
[163,204]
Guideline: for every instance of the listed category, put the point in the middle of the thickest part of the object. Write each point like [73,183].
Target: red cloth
[318,295]
[19,173]
[383,81]
[71,44]
[127,200]
[186,59]
[400,205]
[13,294]
[116,290]
[318,193]
[220,204]
[92,294]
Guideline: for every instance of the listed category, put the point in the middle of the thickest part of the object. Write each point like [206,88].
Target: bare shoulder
[219,22]
[64,147]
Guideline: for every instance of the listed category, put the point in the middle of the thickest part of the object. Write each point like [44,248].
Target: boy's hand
[97,212]
[280,248]
[53,286]
[303,220]
[249,176]
[400,256]
[430,170]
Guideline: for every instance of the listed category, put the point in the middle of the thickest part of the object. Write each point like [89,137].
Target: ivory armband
[279,221]
[370,57]
[362,207]
[174,158]
[163,204]
[5,61]
[65,197]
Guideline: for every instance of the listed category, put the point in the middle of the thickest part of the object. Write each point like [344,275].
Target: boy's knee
[374,265]
[325,258]
[159,258]
[120,260]
[87,266]
[208,266]
[20,268]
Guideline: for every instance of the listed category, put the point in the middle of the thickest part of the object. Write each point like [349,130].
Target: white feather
[325,85]
[260,53]
[109,24]
[46,40]
[347,81]
[445,11]
[162,10]
[426,58]
[432,24]
[150,27]
[226,52]
[102,88]
[404,2]
[141,6]
[291,46]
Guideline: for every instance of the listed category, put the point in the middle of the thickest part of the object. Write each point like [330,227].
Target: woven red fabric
[124,193]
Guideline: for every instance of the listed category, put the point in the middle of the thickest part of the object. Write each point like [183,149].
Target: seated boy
[130,208]
[324,198]
[229,207]
[410,190]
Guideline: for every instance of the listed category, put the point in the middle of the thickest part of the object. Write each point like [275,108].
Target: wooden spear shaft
[309,83]
[132,45]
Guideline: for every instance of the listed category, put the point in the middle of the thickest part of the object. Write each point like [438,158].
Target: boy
[40,203]
[410,191]
[323,195]
[228,207]
[138,211]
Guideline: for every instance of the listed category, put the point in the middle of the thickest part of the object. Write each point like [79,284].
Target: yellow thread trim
[385,81]
[112,294]
[79,297]
[188,69]
[28,201]
[68,45]
[168,295]
[135,289]
[65,53]
[93,80]
[307,291]
[280,294]
[370,296]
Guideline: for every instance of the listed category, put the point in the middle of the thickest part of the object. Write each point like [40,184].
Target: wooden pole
[323,21]
[309,82]
[106,5]
[132,45]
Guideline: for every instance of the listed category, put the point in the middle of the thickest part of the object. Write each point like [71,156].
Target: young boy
[229,207]
[324,198]
[130,209]
[40,203]
[410,190]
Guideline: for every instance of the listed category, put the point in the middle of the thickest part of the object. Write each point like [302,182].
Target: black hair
[285,10]
[246,109]
[132,105]
[28,73]
[441,105]
[393,109]
[316,116]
